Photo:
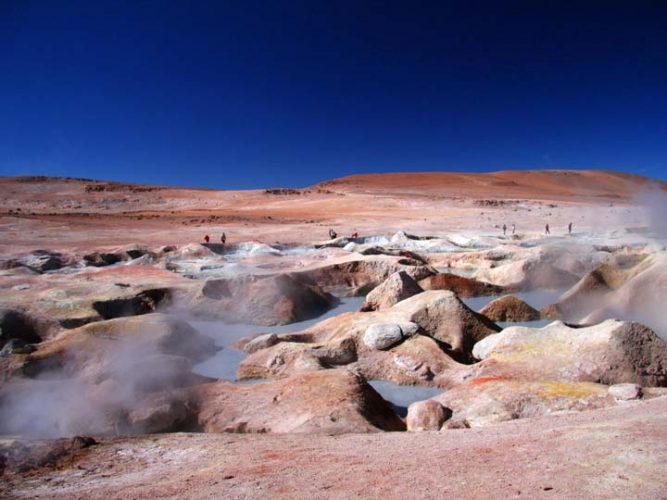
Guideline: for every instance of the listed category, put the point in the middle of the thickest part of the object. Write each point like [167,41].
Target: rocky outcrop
[261,300]
[611,352]
[588,293]
[640,296]
[101,259]
[399,286]
[107,348]
[489,400]
[460,285]
[509,308]
[260,342]
[426,333]
[428,415]
[71,299]
[445,318]
[42,261]
[146,301]
[544,269]
[359,276]
[331,401]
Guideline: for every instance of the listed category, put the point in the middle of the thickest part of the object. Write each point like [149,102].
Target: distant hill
[530,184]
[533,184]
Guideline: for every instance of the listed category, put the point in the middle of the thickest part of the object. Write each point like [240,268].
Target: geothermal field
[464,335]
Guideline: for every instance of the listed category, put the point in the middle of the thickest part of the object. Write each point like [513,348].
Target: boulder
[611,352]
[329,401]
[397,287]
[426,415]
[462,286]
[382,336]
[509,308]
[625,392]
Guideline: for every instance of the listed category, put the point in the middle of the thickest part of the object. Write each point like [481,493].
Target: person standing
[207,238]
[223,239]
[569,228]
[504,229]
[546,229]
[513,228]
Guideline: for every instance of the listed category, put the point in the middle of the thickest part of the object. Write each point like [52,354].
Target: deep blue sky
[235,94]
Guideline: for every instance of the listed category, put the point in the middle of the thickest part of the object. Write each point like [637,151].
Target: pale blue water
[224,363]
[402,396]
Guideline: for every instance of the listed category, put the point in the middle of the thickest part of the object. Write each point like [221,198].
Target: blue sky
[243,94]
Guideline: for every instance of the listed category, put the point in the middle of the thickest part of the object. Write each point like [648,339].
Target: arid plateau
[420,335]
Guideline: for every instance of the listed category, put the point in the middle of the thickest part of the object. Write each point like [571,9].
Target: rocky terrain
[137,359]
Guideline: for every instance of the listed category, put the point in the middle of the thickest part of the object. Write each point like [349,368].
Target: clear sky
[237,94]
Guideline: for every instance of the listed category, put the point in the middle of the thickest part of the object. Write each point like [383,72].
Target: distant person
[569,228]
[546,229]
[504,229]
[207,238]
[332,234]
[513,228]
[223,238]
[355,235]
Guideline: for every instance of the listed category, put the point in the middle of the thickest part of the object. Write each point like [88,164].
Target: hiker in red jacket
[207,239]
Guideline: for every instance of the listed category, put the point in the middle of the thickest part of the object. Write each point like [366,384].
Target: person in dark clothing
[223,238]
[332,234]
[546,229]
[504,229]
[569,228]
[207,238]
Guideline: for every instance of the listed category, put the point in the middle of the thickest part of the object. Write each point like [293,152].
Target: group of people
[505,229]
[223,238]
[547,230]
[333,234]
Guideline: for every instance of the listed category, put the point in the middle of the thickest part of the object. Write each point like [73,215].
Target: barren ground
[614,453]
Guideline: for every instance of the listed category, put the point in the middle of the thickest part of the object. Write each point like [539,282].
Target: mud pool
[402,396]
[225,363]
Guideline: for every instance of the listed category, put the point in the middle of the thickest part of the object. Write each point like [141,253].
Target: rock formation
[330,401]
[509,308]
[399,286]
